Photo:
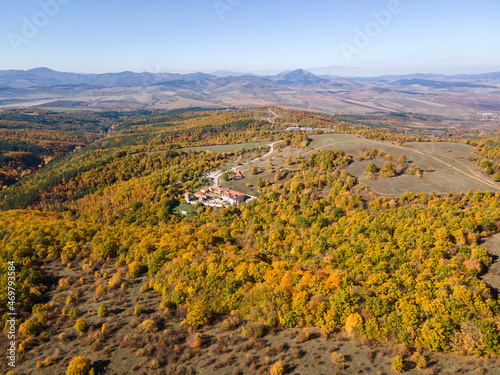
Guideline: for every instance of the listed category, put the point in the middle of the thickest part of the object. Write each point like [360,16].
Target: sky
[338,37]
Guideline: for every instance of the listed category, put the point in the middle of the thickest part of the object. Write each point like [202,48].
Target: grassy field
[278,161]
[189,208]
[452,172]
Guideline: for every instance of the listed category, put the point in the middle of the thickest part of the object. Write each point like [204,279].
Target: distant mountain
[227,73]
[429,76]
[46,78]
[299,76]
[43,77]
[439,84]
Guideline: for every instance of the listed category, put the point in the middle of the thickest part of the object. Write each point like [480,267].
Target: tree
[354,323]
[254,170]
[74,312]
[388,170]
[103,311]
[81,326]
[289,160]
[402,160]
[277,368]
[80,366]
[199,314]
[398,364]
[371,168]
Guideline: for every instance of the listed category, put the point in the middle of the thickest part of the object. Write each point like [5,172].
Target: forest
[316,249]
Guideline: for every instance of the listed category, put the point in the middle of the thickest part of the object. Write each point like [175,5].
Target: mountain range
[464,95]
[44,77]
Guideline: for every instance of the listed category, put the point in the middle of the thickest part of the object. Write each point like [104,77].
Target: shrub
[148,326]
[277,368]
[64,337]
[49,361]
[137,310]
[199,314]
[253,330]
[135,269]
[419,360]
[353,323]
[29,328]
[194,340]
[81,326]
[371,168]
[103,311]
[105,329]
[74,312]
[27,344]
[339,360]
[302,336]
[80,366]
[397,364]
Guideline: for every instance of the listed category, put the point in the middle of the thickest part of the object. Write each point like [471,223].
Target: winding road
[271,151]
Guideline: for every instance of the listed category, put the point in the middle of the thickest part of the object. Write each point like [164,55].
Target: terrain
[471,100]
[371,246]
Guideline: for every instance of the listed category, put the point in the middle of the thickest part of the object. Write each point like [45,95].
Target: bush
[277,368]
[148,326]
[199,314]
[80,366]
[253,330]
[29,328]
[339,360]
[354,323]
[74,312]
[103,311]
[64,337]
[397,364]
[419,360]
[137,310]
[135,269]
[49,361]
[81,326]
[27,344]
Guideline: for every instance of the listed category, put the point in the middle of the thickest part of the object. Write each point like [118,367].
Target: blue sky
[91,36]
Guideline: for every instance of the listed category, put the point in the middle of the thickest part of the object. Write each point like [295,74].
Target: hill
[316,274]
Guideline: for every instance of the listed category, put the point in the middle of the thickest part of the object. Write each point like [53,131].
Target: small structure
[238,175]
[219,197]
[187,196]
[300,128]
[201,196]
